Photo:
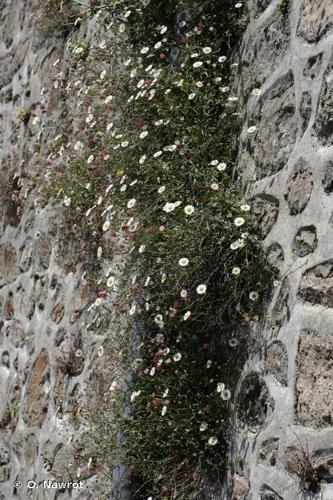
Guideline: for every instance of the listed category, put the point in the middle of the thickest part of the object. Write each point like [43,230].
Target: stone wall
[284,444]
[49,353]
[49,349]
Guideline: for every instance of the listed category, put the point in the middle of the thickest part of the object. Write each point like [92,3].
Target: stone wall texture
[48,347]
[284,444]
[283,447]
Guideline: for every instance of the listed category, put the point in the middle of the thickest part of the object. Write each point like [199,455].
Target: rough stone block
[300,184]
[8,264]
[316,20]
[314,382]
[305,241]
[277,362]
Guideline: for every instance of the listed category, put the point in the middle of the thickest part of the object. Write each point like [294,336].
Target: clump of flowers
[150,173]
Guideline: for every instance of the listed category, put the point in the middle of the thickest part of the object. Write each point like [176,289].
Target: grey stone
[276,121]
[305,110]
[277,362]
[268,451]
[240,487]
[266,47]
[316,20]
[36,401]
[15,332]
[253,400]
[305,241]
[313,66]
[275,254]
[267,493]
[43,249]
[314,383]
[8,264]
[317,284]
[266,208]
[328,177]
[324,122]
[26,255]
[300,184]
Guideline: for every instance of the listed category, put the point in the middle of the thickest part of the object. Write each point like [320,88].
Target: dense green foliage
[153,169]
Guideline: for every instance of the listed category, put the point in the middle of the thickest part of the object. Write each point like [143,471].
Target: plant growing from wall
[150,173]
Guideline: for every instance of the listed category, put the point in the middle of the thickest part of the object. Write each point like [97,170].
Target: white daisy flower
[147,281]
[142,159]
[251,130]
[134,395]
[67,201]
[239,221]
[203,426]
[253,296]
[256,92]
[110,282]
[221,167]
[144,50]
[177,357]
[212,441]
[142,248]
[245,208]
[220,387]
[189,209]
[234,245]
[183,294]
[236,271]
[222,59]
[158,45]
[191,96]
[113,386]
[201,289]
[226,394]
[131,203]
[187,315]
[157,154]
[143,134]
[206,50]
[163,30]
[161,190]
[214,186]
[169,207]
[183,262]
[197,64]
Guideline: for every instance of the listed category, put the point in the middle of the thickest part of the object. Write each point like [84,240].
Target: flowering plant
[151,174]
